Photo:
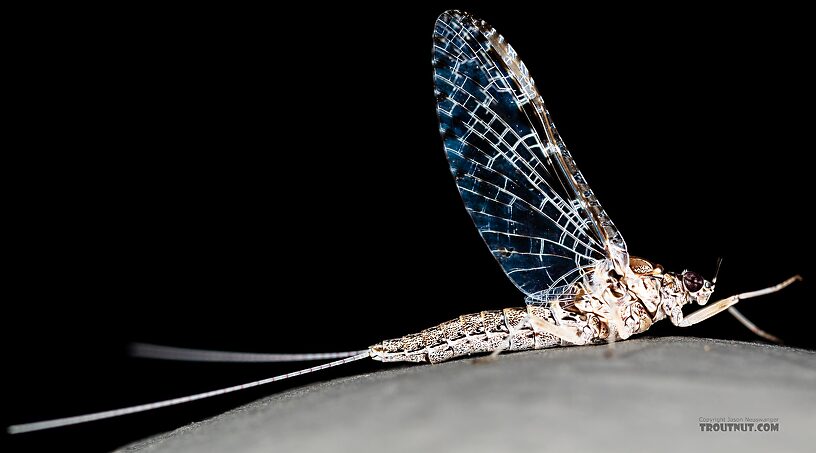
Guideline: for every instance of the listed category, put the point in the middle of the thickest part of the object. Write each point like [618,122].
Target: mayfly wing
[529,201]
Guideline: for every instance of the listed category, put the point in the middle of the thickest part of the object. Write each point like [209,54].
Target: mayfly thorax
[534,210]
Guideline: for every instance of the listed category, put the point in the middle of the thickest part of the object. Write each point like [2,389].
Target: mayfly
[537,214]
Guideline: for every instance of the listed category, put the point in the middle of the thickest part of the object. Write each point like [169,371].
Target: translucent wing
[519,183]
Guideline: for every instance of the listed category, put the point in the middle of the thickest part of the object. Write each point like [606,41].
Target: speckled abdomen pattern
[509,329]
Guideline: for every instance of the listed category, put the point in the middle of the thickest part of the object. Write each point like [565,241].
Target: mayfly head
[699,289]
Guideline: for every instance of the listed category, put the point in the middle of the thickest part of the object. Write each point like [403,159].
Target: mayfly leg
[740,317]
[725,304]
[567,334]
[753,327]
[58,422]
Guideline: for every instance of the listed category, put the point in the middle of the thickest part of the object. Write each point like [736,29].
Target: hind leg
[568,334]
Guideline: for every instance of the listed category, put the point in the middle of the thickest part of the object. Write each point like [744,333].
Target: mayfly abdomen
[509,329]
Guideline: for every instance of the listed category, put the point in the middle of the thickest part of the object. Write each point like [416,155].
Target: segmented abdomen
[508,329]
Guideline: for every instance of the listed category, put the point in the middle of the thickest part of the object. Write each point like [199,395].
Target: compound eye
[693,281]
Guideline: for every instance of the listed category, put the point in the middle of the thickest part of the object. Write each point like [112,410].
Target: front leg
[725,304]
[672,309]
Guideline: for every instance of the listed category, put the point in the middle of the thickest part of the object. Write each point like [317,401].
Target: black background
[274,181]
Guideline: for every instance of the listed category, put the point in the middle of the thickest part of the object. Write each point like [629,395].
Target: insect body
[612,310]
[536,213]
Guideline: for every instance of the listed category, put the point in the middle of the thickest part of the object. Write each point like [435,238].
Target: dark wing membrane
[518,182]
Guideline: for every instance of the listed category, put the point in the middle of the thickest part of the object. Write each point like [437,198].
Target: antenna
[717,271]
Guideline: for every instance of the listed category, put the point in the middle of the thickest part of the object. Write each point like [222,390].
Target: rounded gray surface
[651,393]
